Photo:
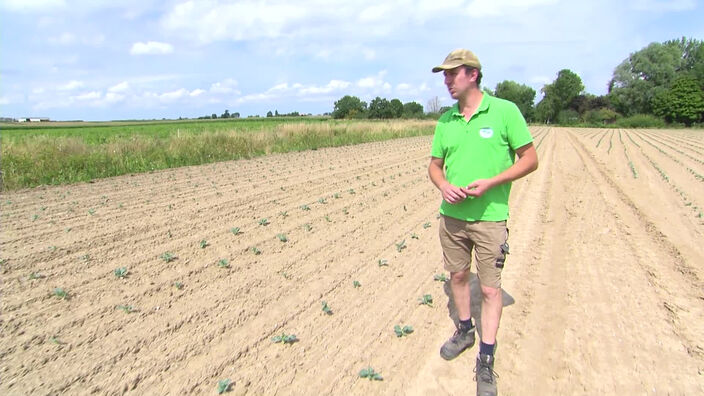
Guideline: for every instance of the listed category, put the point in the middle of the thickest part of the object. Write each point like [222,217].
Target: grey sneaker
[461,340]
[485,376]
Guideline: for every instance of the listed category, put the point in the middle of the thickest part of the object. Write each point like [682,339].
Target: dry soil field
[604,287]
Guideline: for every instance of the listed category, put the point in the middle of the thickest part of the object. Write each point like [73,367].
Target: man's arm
[451,194]
[527,162]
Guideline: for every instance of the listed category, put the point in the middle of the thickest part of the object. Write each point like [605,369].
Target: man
[473,164]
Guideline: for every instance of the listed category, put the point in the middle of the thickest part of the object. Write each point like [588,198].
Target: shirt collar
[483,106]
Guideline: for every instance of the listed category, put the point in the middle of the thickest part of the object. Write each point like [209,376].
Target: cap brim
[446,66]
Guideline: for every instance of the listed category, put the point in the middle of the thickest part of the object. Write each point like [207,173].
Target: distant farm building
[33,119]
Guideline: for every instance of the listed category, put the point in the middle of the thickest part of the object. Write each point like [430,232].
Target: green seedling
[440,277]
[402,331]
[356,284]
[401,245]
[345,211]
[326,308]
[168,233]
[263,222]
[351,191]
[223,386]
[427,299]
[414,236]
[178,285]
[305,207]
[284,339]
[223,263]
[61,293]
[371,374]
[322,201]
[35,217]
[426,225]
[55,340]
[307,227]
[204,244]
[282,237]
[337,196]
[35,275]
[235,230]
[125,308]
[327,218]
[382,262]
[120,272]
[167,256]
[91,211]
[283,214]
[256,250]
[85,257]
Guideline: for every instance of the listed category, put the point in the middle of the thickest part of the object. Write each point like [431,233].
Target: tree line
[663,82]
[379,108]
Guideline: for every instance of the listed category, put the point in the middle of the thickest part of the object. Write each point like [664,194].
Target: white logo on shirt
[486,133]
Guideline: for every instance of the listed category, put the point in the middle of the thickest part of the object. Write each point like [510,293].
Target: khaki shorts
[459,237]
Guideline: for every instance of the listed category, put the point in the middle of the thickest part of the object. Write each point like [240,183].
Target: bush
[640,121]
[567,117]
[600,116]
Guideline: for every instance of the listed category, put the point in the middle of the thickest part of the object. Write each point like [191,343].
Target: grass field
[50,154]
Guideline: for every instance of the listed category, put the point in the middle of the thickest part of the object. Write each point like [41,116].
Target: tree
[645,74]
[236,115]
[396,108]
[434,105]
[412,110]
[522,95]
[546,110]
[349,107]
[683,102]
[269,114]
[214,116]
[564,89]
[226,114]
[380,108]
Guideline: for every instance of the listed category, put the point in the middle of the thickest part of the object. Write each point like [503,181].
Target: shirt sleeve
[437,148]
[518,133]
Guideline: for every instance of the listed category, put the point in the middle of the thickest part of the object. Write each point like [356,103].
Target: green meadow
[63,153]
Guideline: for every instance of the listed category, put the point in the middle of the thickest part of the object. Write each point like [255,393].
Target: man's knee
[460,277]
[491,293]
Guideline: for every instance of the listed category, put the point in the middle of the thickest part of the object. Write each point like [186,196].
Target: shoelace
[486,373]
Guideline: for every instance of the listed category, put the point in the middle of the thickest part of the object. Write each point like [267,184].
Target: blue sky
[144,59]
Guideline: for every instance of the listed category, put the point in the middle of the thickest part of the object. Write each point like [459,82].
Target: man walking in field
[473,164]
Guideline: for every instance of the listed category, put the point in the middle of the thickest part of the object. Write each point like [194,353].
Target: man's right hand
[452,194]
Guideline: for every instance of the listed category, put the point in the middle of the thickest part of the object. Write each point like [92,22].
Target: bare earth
[604,285]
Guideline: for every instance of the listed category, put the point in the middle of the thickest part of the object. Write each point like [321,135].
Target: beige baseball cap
[459,57]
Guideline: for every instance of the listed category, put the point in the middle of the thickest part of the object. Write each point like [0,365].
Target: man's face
[459,81]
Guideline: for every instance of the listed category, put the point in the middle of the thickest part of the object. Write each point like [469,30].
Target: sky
[99,60]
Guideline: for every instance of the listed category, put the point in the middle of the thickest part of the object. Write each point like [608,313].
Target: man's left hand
[478,187]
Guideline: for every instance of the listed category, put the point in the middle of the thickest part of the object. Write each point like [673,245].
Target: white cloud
[663,5]
[63,39]
[332,86]
[485,8]
[4,100]
[151,48]
[71,85]
[88,96]
[197,92]
[32,5]
[121,87]
[374,83]
[224,87]
[209,20]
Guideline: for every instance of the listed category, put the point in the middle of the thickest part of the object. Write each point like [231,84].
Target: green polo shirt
[480,148]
